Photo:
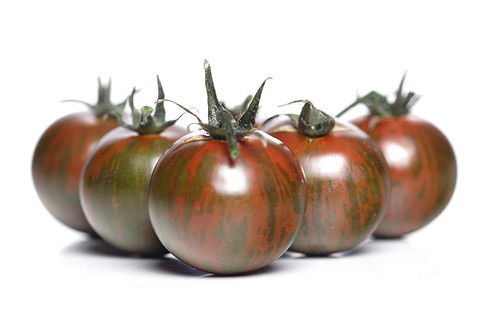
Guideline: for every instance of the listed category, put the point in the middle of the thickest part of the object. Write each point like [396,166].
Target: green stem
[226,119]
[356,102]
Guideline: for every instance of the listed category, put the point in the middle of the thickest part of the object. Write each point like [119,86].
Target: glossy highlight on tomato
[423,170]
[226,216]
[347,185]
[60,155]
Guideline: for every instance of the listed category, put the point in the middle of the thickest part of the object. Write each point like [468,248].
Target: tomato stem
[149,120]
[379,105]
[222,123]
[311,122]
[226,125]
[314,123]
[103,108]
[356,102]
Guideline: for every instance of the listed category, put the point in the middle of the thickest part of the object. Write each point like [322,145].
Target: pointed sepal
[159,108]
[247,120]
[214,105]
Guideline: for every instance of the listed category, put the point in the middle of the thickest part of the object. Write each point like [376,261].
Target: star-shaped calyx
[148,120]
[224,124]
[379,105]
[103,108]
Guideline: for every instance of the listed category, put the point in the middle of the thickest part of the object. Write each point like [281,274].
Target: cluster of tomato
[234,196]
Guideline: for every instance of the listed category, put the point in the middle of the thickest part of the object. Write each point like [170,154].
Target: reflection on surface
[95,246]
[97,255]
[365,247]
[398,154]
[172,265]
[230,180]
[332,164]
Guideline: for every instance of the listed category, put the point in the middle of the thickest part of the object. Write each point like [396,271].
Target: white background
[441,278]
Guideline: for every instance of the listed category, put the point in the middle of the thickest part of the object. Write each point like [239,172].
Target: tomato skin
[227,217]
[423,170]
[347,186]
[58,162]
[114,188]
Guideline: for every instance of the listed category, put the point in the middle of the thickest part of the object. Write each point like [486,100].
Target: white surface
[441,278]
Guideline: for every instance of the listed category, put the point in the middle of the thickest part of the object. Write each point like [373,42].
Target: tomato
[61,153]
[347,180]
[115,179]
[422,164]
[228,199]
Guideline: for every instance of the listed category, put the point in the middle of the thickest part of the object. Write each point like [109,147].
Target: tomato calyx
[380,106]
[148,120]
[403,103]
[220,118]
[231,126]
[226,125]
[311,122]
[103,108]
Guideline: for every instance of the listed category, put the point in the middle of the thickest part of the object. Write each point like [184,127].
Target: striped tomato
[228,199]
[347,180]
[422,164]
[61,153]
[226,216]
[115,180]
